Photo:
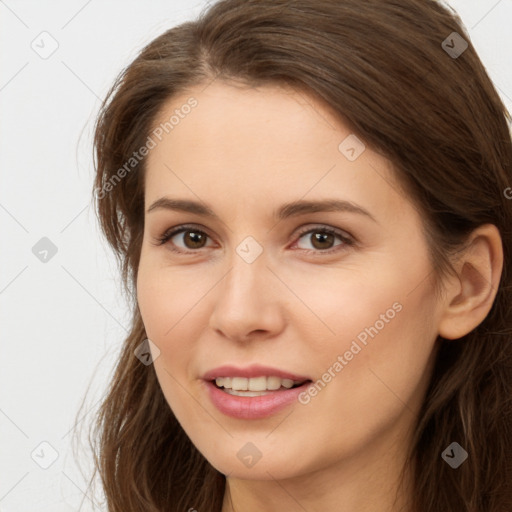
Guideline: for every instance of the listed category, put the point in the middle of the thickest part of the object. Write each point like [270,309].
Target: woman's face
[270,271]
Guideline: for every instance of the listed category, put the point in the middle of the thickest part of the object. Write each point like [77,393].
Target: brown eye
[184,239]
[194,239]
[322,240]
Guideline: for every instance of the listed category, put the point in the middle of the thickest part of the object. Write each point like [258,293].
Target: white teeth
[245,393]
[273,383]
[239,383]
[254,383]
[287,383]
[257,384]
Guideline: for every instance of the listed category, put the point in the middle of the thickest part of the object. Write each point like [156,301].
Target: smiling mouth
[255,386]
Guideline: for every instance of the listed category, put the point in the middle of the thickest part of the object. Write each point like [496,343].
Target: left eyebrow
[293,209]
[302,207]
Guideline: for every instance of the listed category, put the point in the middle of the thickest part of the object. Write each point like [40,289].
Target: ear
[470,295]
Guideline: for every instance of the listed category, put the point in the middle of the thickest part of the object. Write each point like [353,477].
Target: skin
[245,152]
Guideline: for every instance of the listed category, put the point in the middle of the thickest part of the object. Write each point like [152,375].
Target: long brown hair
[383,68]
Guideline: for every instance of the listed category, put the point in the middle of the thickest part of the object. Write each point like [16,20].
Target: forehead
[257,146]
[237,120]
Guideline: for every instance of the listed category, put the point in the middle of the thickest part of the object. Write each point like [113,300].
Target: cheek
[380,299]
[384,368]
[166,302]
[167,297]
[162,303]
[173,307]
[377,353]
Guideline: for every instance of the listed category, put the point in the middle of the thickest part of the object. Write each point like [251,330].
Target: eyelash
[347,241]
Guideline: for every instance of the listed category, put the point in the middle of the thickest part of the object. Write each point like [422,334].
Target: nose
[247,302]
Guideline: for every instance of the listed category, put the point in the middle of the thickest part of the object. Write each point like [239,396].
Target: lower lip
[253,407]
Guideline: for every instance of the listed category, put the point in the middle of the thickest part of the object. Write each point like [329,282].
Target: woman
[309,204]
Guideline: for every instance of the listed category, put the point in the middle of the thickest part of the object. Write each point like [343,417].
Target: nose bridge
[247,261]
[244,301]
[244,278]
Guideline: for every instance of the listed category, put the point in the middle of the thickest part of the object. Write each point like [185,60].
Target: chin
[263,468]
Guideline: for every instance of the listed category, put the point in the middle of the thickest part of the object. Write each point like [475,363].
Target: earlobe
[470,296]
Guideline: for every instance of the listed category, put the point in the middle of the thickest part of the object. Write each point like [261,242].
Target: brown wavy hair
[381,67]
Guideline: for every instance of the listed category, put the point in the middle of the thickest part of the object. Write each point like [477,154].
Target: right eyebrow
[292,209]
[182,205]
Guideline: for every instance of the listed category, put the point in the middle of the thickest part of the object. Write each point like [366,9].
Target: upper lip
[255,370]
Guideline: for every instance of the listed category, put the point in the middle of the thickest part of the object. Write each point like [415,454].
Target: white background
[63,321]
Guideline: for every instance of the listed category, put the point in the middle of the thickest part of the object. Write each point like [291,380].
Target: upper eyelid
[177,230]
[319,227]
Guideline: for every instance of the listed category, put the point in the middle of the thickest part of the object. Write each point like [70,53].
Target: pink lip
[251,408]
[255,370]
[245,407]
